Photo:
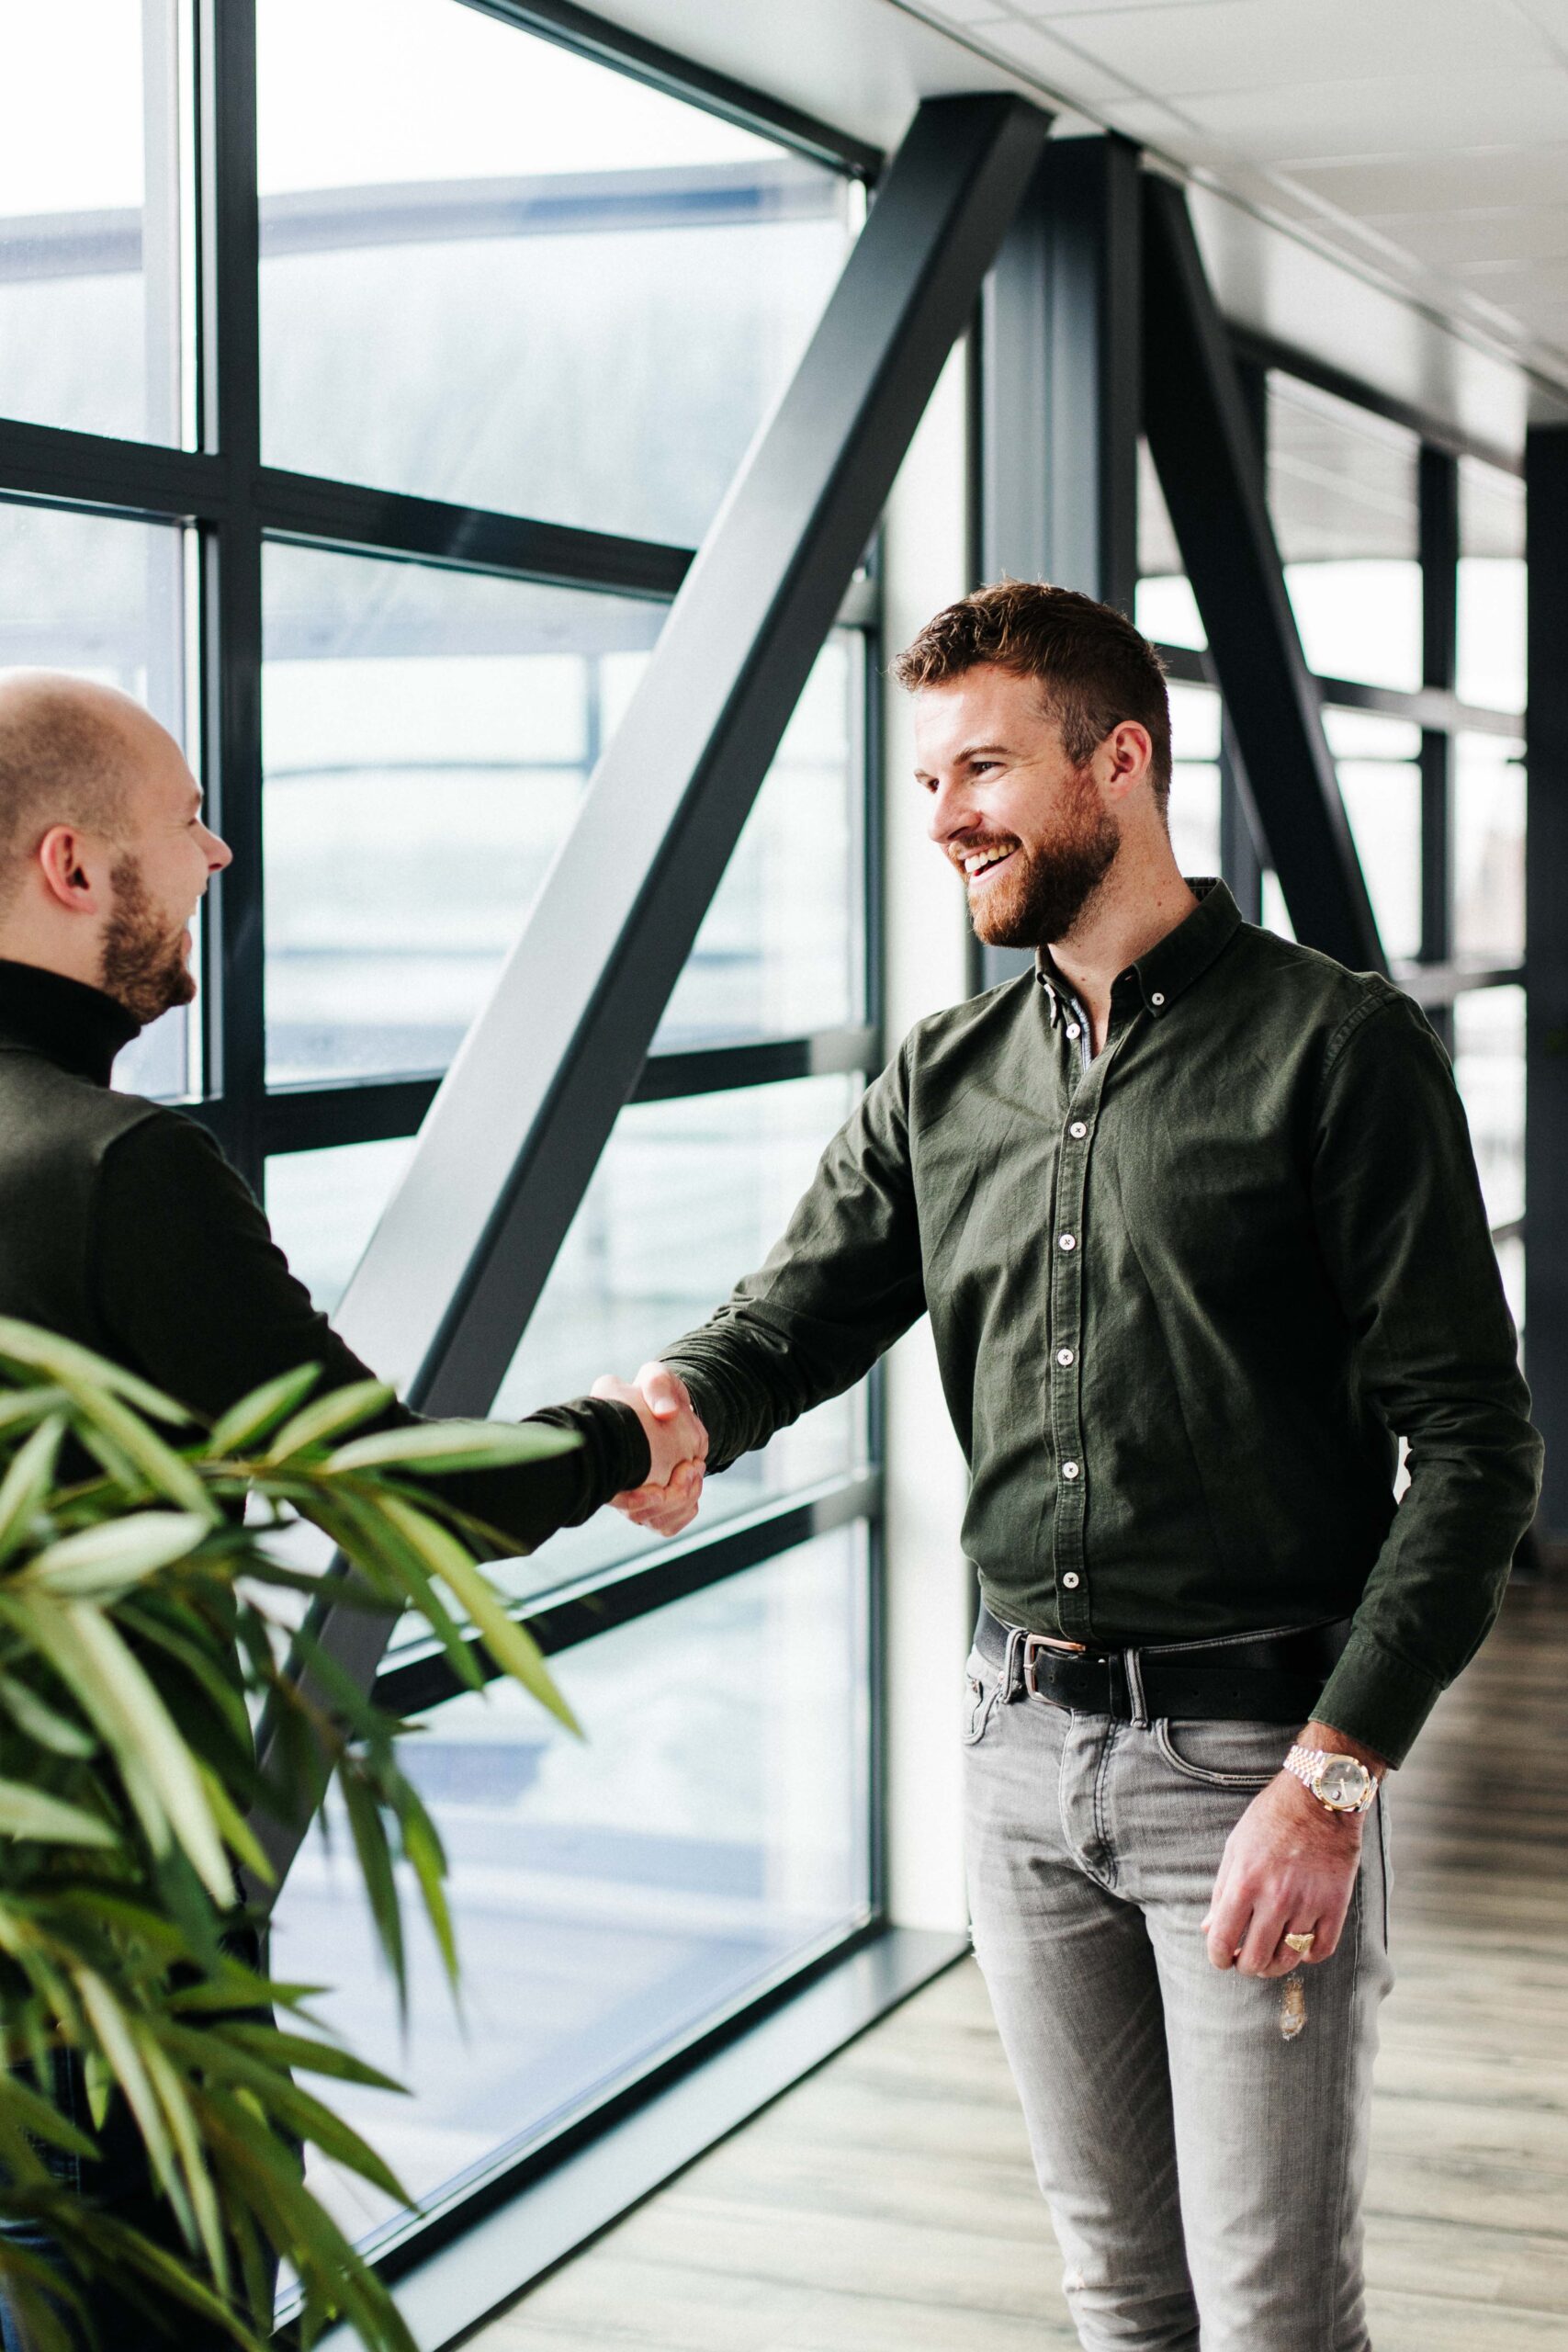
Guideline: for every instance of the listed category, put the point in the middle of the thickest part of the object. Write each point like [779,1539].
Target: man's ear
[75,869]
[1126,756]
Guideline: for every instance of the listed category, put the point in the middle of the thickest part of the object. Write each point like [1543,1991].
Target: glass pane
[426,735]
[1195,778]
[324,1205]
[1165,609]
[1381,788]
[1491,586]
[1489,849]
[689,1196]
[615,1895]
[1342,492]
[104,599]
[780,950]
[1489,1063]
[1276,914]
[1511,1264]
[440,187]
[90,190]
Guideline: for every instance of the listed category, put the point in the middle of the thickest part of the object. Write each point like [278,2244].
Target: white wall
[927,933]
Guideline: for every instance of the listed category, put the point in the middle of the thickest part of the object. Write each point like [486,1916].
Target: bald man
[122,1225]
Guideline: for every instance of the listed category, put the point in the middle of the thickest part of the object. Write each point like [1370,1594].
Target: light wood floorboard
[887,2205]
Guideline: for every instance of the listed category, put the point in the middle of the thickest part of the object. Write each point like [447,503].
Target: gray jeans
[1203,2168]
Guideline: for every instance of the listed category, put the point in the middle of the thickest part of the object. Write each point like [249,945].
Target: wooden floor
[886,2204]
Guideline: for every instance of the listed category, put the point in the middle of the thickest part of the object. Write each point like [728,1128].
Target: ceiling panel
[1211,46]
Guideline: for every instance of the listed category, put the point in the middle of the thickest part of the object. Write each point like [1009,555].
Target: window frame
[231,506]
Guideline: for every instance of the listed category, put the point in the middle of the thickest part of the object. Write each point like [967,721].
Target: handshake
[668,1499]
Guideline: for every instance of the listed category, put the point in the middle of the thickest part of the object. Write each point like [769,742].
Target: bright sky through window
[431,89]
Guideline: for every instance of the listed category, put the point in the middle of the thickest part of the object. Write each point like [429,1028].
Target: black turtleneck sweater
[123,1226]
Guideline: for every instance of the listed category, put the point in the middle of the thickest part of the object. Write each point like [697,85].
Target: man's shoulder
[974,1024]
[47,1106]
[1306,992]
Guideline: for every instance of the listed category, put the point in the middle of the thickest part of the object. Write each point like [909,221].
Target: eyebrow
[972,751]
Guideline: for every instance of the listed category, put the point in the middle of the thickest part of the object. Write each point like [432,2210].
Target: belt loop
[1016,1637]
[1133,1662]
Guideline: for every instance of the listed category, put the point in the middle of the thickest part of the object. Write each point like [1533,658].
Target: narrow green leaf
[192,2157]
[236,1830]
[27,1811]
[113,1689]
[514,1650]
[254,1415]
[308,2057]
[423,1847]
[40,1723]
[27,1482]
[375,1858]
[341,1409]
[103,1560]
[452,1445]
[118,2045]
[19,1404]
[74,1367]
[168,1473]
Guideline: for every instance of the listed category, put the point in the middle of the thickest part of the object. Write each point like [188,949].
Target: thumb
[663,1392]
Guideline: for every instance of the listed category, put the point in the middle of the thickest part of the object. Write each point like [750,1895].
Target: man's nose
[218,854]
[949,815]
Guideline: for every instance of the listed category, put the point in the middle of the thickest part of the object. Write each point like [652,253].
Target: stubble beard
[1046,892]
[144,966]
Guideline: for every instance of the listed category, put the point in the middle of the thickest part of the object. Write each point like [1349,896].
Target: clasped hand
[678,1446]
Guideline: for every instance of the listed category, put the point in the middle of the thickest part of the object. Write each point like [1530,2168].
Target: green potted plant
[146,1620]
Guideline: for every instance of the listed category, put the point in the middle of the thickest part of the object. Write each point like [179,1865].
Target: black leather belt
[1275,1677]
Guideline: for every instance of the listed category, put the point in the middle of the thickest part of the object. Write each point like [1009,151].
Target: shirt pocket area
[1221,1755]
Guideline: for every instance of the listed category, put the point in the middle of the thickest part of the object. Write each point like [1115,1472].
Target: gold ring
[1302,1943]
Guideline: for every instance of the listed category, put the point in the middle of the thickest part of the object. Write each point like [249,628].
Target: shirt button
[1071,1580]
[1073,1029]
[1157,999]
[1063,1355]
[1069,1469]
[1078,1130]
[1068,1242]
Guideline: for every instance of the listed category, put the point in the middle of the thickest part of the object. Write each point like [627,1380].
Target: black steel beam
[1060,328]
[134,477]
[1546,933]
[1061,336]
[1438,539]
[467,1244]
[1200,438]
[1427,706]
[428,530]
[229,369]
[1266,351]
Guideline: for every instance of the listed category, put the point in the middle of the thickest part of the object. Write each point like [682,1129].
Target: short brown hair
[1093,667]
[62,762]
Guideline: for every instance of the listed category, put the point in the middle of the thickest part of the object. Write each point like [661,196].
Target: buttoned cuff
[1378,1697]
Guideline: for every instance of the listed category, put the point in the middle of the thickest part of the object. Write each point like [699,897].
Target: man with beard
[123,1227]
[1194,1214]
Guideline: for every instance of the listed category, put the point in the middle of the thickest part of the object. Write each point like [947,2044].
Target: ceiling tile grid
[1425,139]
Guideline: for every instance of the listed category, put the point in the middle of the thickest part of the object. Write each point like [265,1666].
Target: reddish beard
[1047,888]
[144,966]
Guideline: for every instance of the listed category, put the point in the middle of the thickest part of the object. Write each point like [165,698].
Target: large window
[369,456]
[1404,566]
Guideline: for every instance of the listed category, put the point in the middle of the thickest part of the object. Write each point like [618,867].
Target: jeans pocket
[1224,1754]
[981,1692]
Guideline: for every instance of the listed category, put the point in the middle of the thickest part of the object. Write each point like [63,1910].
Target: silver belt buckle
[1033,1646]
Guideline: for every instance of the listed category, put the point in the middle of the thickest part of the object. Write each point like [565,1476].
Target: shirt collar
[1173,963]
[78,1027]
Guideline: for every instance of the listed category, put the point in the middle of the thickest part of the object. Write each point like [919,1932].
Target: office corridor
[886,2204]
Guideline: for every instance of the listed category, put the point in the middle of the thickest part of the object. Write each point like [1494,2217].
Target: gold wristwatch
[1340,1783]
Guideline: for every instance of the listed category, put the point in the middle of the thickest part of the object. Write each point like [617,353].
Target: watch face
[1342,1783]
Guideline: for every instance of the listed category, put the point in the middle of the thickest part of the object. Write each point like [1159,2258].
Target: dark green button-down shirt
[1188,1295]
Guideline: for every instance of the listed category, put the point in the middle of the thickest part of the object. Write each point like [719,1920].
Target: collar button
[1157,1000]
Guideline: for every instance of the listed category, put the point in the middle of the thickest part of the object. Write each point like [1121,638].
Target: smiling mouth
[983,861]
